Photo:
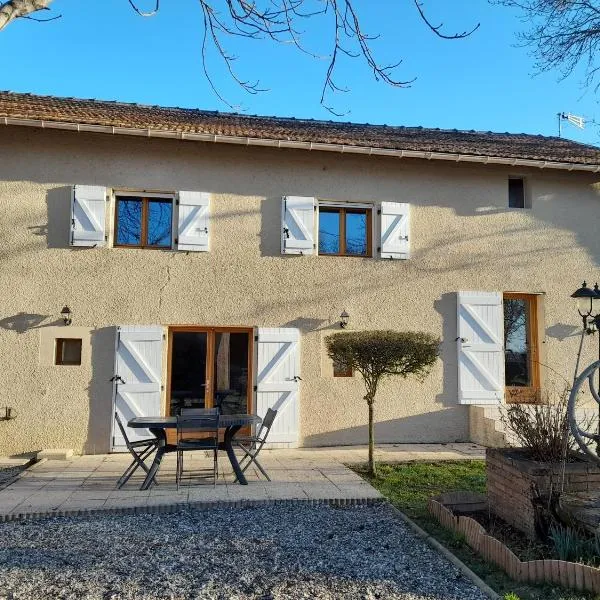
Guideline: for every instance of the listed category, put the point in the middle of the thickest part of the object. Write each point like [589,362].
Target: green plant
[511,596]
[380,354]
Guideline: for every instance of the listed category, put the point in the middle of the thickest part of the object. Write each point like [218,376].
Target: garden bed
[410,485]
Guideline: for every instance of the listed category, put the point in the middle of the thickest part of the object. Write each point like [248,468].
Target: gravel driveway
[277,552]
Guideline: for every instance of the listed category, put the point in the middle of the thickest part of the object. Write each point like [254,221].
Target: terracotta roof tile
[119,114]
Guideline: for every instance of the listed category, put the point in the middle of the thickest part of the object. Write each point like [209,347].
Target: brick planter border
[559,572]
[511,477]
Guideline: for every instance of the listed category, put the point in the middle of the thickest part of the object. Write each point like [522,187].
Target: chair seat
[200,444]
[140,443]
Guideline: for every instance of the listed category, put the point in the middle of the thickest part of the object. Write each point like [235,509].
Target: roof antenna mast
[573,119]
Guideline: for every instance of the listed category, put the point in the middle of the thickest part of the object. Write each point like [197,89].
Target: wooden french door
[208,367]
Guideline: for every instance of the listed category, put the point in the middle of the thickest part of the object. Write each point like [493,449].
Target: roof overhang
[318,146]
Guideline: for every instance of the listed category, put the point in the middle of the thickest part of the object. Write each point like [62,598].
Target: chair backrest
[122,428]
[266,425]
[198,423]
[198,411]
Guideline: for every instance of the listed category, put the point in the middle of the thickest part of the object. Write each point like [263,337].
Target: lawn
[408,486]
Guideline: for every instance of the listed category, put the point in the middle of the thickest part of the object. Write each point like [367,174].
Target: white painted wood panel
[278,382]
[138,375]
[88,215]
[480,333]
[193,227]
[298,225]
[394,230]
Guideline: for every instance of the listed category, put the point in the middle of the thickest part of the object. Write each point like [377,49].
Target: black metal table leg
[161,436]
[228,444]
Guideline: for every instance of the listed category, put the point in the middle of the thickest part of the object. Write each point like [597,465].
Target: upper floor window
[344,231]
[143,222]
[517,193]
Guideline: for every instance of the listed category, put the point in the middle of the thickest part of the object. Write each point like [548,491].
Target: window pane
[159,223]
[129,221]
[329,232]
[516,347]
[231,372]
[356,233]
[188,370]
[516,193]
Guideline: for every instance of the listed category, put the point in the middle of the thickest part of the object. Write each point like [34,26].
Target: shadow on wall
[100,391]
[22,322]
[58,203]
[270,229]
[445,306]
[429,427]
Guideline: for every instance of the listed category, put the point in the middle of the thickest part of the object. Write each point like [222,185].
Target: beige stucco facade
[463,237]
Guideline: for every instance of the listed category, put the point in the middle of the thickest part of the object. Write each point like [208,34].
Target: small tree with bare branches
[377,355]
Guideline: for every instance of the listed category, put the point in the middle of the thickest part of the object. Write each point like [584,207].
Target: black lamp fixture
[588,304]
[344,319]
[65,313]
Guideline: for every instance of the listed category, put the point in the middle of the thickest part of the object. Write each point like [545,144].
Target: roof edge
[299,145]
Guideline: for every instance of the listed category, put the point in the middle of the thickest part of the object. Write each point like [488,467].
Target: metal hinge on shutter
[256,338]
[378,211]
[176,201]
[256,388]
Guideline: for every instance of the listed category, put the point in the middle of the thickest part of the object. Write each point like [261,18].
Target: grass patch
[408,486]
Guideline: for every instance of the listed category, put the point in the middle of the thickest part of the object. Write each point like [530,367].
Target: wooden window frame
[58,352]
[343,210]
[527,394]
[146,199]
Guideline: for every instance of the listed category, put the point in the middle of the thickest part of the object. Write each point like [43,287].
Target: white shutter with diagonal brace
[88,215]
[278,382]
[394,230]
[193,221]
[298,225]
[138,377]
[480,321]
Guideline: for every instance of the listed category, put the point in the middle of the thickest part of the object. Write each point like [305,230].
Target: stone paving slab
[88,483]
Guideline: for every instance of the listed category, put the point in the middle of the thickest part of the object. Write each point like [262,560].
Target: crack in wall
[162,289]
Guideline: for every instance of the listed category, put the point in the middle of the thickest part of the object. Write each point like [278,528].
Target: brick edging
[429,539]
[176,506]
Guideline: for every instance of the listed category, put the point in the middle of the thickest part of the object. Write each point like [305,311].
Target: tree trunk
[371,440]
[9,11]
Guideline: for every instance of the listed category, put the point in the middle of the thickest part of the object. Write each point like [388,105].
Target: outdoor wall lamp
[344,319]
[588,305]
[65,313]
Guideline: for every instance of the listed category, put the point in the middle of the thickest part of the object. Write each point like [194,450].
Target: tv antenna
[573,119]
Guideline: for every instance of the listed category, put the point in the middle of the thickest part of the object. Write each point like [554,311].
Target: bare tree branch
[562,34]
[150,13]
[14,9]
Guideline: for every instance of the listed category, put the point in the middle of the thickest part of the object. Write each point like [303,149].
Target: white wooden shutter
[298,225]
[193,221]
[278,382]
[88,215]
[394,230]
[480,319]
[138,370]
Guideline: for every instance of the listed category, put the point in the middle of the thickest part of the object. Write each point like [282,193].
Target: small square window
[516,193]
[68,351]
[143,222]
[342,370]
[344,231]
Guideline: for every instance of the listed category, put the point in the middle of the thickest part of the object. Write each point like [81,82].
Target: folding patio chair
[140,451]
[252,445]
[187,426]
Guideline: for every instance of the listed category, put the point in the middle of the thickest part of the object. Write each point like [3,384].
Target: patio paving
[87,484]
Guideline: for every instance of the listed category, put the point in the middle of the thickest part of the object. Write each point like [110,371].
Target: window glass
[329,232]
[129,221]
[356,233]
[231,372]
[160,214]
[517,361]
[516,193]
[341,370]
[68,351]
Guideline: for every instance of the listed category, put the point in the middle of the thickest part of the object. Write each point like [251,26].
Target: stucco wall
[463,236]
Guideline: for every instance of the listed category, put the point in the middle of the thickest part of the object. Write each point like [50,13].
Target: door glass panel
[356,233]
[188,370]
[329,232]
[129,221]
[231,372]
[159,223]
[516,346]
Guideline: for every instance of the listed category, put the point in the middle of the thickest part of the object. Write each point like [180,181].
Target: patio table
[159,425]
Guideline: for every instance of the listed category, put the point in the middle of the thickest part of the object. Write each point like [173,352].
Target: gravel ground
[266,553]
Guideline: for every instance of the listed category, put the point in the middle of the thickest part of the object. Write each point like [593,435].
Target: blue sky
[483,82]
